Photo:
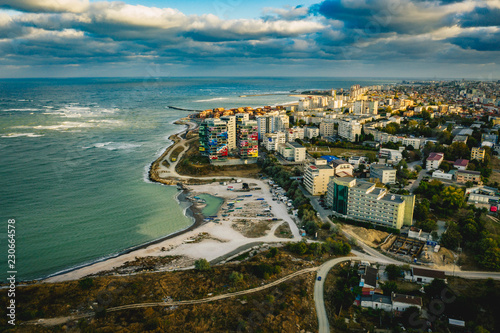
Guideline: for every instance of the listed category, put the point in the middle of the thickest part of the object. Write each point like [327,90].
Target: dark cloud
[480,17]
[479,40]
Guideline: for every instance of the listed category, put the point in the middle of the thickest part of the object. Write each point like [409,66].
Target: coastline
[191,211]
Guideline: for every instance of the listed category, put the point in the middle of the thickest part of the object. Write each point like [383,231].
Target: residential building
[231,132]
[292,151]
[477,154]
[483,194]
[464,176]
[213,139]
[294,133]
[440,174]
[326,129]
[368,277]
[400,302]
[363,201]
[433,161]
[316,178]
[247,139]
[461,164]
[391,155]
[265,125]
[384,173]
[349,130]
[425,276]
[272,140]
[311,132]
[341,168]
[377,302]
[460,138]
[493,138]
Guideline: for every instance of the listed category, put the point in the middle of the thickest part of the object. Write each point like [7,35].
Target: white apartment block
[292,151]
[272,140]
[385,174]
[231,131]
[294,133]
[311,132]
[349,130]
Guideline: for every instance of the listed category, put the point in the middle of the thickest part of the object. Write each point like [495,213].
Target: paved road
[415,184]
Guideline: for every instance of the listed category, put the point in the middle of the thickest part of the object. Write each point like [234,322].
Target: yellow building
[477,154]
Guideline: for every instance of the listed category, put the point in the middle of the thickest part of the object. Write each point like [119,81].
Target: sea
[75,153]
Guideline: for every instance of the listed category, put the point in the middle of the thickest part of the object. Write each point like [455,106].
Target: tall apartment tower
[231,132]
[247,139]
[213,139]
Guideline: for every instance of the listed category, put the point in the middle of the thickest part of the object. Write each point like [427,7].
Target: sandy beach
[209,240]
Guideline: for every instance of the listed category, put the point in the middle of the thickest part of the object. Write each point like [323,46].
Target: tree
[418,168]
[202,264]
[427,225]
[451,238]
[393,271]
[389,287]
[236,277]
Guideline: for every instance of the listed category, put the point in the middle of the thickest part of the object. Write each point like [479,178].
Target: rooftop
[435,156]
[428,273]
[414,300]
[469,172]
[295,145]
[461,162]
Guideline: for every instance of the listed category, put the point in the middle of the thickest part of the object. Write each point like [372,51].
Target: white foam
[115,145]
[73,111]
[17,135]
[66,125]
[22,110]
[211,99]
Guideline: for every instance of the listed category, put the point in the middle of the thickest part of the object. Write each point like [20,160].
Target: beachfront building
[231,132]
[272,140]
[477,154]
[292,151]
[384,173]
[349,130]
[247,139]
[433,161]
[317,175]
[213,139]
[363,201]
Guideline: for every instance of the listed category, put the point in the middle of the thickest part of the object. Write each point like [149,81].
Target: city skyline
[331,38]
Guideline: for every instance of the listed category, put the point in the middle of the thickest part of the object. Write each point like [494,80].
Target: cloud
[79,32]
[44,6]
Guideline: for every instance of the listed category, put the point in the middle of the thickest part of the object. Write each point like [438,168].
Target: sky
[332,38]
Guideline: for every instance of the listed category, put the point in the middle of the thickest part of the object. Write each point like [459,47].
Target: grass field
[495,162]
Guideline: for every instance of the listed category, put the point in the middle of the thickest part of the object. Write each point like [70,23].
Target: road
[415,184]
[62,320]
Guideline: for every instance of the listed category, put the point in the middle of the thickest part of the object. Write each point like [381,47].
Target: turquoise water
[75,154]
[213,204]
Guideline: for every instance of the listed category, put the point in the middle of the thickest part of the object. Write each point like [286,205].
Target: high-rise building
[385,174]
[363,201]
[213,139]
[247,139]
[231,132]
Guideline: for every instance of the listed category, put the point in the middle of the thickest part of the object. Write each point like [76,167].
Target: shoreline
[191,211]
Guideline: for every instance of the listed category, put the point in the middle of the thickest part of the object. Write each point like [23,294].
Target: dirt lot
[283,231]
[370,236]
[252,228]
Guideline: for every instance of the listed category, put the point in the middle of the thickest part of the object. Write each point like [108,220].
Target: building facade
[213,139]
[247,139]
[433,161]
[477,154]
[385,174]
[363,201]
[349,130]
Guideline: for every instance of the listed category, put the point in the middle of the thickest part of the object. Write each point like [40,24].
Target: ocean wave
[211,99]
[21,110]
[66,125]
[17,135]
[73,111]
[114,145]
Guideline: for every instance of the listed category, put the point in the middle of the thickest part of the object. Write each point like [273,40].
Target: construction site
[407,248]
